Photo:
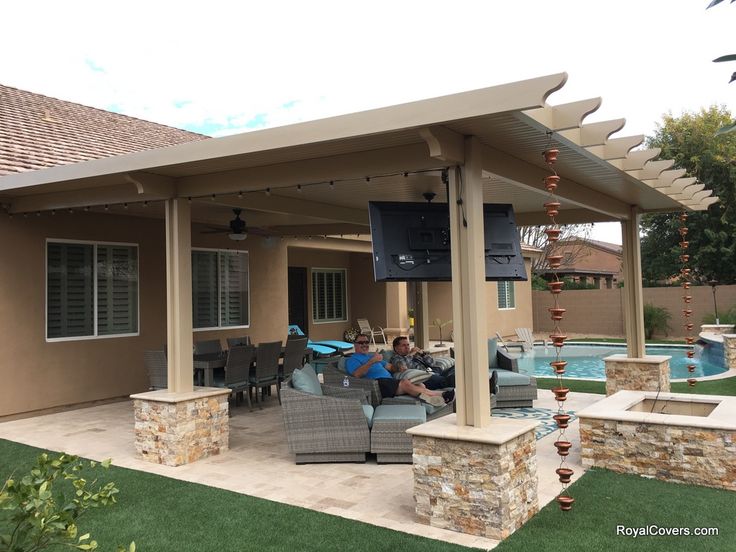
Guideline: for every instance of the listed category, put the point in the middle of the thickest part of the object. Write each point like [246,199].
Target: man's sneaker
[449,396]
[494,383]
[434,400]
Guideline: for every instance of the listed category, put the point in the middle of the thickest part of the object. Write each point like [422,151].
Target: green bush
[656,320]
[572,284]
[40,509]
[728,317]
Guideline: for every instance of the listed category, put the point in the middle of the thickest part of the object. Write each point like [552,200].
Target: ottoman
[389,440]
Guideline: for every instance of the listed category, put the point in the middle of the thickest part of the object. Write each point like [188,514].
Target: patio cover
[315,178]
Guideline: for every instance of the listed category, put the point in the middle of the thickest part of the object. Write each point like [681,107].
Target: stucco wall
[501,321]
[40,375]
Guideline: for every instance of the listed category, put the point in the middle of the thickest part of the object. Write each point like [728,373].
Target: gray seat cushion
[506,378]
[400,412]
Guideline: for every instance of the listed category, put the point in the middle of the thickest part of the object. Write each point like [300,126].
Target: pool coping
[725,375]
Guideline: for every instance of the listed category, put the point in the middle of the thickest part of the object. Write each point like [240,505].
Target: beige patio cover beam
[633,292]
[616,148]
[468,289]
[593,134]
[531,176]
[564,116]
[179,295]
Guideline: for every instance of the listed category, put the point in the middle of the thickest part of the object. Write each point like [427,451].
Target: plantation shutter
[117,289]
[70,291]
[233,289]
[328,295]
[204,289]
[506,298]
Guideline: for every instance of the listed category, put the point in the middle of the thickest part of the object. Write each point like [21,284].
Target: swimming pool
[586,361]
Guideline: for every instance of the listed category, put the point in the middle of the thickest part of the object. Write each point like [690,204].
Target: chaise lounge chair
[324,348]
[526,337]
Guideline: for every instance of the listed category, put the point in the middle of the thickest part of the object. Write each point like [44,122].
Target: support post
[633,292]
[468,288]
[421,316]
[179,295]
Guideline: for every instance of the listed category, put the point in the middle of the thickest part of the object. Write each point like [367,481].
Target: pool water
[586,361]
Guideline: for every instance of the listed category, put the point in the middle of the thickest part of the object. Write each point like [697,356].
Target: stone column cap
[164,395]
[501,430]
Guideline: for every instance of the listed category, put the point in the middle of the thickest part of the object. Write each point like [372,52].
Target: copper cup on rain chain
[691,368]
[565,474]
[553,234]
[556,287]
[684,244]
[685,285]
[687,312]
[552,208]
[689,327]
[561,420]
[560,393]
[554,261]
[689,340]
[563,447]
[550,156]
[550,182]
[690,354]
[559,366]
[687,298]
[556,313]
[683,231]
[558,340]
[691,382]
[684,258]
[565,503]
[683,217]
[685,271]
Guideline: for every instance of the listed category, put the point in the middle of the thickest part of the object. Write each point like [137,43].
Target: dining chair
[238,341]
[293,357]
[237,370]
[266,371]
[157,369]
[208,346]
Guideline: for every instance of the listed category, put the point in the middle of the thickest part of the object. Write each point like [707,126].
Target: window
[219,289]
[329,302]
[91,290]
[506,299]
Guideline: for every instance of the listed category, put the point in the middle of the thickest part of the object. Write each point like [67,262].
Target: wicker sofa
[335,424]
[334,375]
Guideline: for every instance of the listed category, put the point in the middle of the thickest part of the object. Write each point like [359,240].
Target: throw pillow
[492,349]
[413,375]
[305,380]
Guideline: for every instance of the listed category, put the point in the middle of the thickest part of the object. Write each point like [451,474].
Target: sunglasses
[361,343]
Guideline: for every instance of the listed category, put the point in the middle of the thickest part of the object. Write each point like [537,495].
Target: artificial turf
[605,500]
[726,386]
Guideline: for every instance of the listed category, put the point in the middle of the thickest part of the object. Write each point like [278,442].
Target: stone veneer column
[480,481]
[729,350]
[650,373]
[179,428]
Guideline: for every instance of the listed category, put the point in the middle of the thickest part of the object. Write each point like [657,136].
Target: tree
[535,236]
[690,140]
[731,126]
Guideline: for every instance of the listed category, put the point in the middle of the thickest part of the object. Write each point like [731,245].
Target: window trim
[344,270]
[94,245]
[506,282]
[224,328]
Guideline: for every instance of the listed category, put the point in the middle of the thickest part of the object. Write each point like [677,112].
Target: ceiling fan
[238,230]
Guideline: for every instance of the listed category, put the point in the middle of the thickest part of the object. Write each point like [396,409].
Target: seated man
[363,364]
[406,357]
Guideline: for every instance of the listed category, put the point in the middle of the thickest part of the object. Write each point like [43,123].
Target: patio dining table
[206,363]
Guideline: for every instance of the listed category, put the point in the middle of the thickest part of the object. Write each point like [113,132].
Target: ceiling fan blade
[215,231]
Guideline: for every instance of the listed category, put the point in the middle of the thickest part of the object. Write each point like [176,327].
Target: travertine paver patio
[259,464]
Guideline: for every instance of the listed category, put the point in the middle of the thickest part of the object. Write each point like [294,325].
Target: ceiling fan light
[238,237]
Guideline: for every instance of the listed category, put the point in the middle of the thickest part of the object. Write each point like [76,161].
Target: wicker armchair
[328,428]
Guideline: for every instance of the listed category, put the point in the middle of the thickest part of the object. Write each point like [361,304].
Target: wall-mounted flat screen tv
[411,242]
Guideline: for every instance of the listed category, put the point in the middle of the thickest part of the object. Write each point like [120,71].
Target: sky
[223,67]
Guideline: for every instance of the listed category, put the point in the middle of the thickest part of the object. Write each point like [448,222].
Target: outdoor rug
[543,415]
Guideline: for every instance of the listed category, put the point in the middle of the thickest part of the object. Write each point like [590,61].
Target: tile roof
[37,131]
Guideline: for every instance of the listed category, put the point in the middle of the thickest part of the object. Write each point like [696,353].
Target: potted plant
[439,324]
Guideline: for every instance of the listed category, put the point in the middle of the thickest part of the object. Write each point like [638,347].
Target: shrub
[656,320]
[728,317]
[40,509]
